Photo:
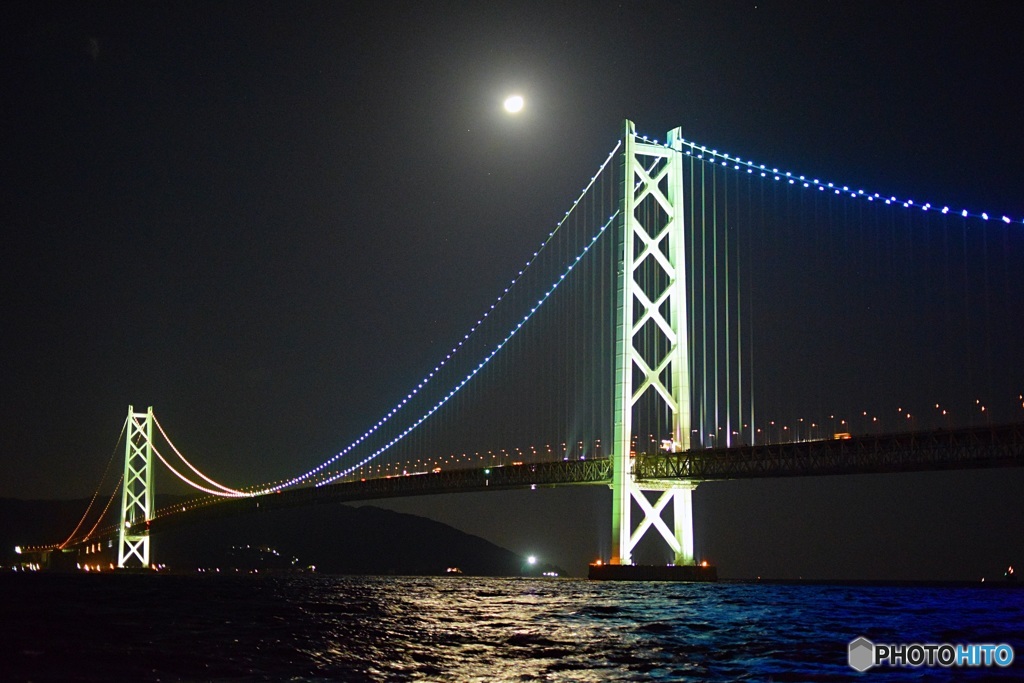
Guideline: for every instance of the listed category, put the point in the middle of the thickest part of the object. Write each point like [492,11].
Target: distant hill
[335,538]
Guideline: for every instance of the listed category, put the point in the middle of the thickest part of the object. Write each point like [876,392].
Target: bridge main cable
[476,369]
[267,489]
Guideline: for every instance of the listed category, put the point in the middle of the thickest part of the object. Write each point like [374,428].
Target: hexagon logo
[862,654]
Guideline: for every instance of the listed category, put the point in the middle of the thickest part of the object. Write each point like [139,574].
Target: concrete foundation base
[643,572]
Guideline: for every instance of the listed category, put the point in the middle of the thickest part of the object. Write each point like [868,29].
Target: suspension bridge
[694,316]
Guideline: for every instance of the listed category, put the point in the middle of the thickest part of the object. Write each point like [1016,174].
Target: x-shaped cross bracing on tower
[651,340]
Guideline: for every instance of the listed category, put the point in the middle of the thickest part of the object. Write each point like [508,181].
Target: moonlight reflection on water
[309,627]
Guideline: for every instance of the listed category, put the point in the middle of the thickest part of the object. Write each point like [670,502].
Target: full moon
[514,104]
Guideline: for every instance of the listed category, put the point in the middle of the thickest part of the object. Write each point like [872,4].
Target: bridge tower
[137,498]
[651,354]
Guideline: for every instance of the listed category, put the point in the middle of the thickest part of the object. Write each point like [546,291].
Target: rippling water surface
[323,628]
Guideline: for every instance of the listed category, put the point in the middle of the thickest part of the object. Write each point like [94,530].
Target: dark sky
[263,218]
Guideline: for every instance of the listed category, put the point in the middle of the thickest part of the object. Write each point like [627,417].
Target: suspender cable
[106,507]
[750,308]
[728,336]
[691,311]
[714,248]
[704,302]
[205,478]
[98,487]
[213,492]
[745,223]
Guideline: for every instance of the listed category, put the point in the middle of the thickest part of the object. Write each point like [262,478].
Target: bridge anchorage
[651,368]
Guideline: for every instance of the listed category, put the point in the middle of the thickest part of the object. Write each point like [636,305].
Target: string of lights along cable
[814,309]
[831,309]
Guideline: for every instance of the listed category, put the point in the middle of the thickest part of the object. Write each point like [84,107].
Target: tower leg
[683,515]
[621,511]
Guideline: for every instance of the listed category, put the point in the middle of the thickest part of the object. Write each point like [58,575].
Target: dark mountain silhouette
[333,538]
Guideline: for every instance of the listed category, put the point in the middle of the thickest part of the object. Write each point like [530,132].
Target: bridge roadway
[968,448]
[500,478]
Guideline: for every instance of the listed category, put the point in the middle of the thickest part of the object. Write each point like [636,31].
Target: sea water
[308,627]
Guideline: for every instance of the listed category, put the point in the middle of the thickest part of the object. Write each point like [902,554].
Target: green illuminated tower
[137,499]
[651,368]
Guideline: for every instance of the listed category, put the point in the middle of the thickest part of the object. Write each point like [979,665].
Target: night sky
[263,219]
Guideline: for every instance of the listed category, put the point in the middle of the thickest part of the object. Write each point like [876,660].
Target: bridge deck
[543,474]
[980,447]
[975,447]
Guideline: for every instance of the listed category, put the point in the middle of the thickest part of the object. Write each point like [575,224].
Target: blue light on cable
[777,175]
[390,414]
[472,373]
